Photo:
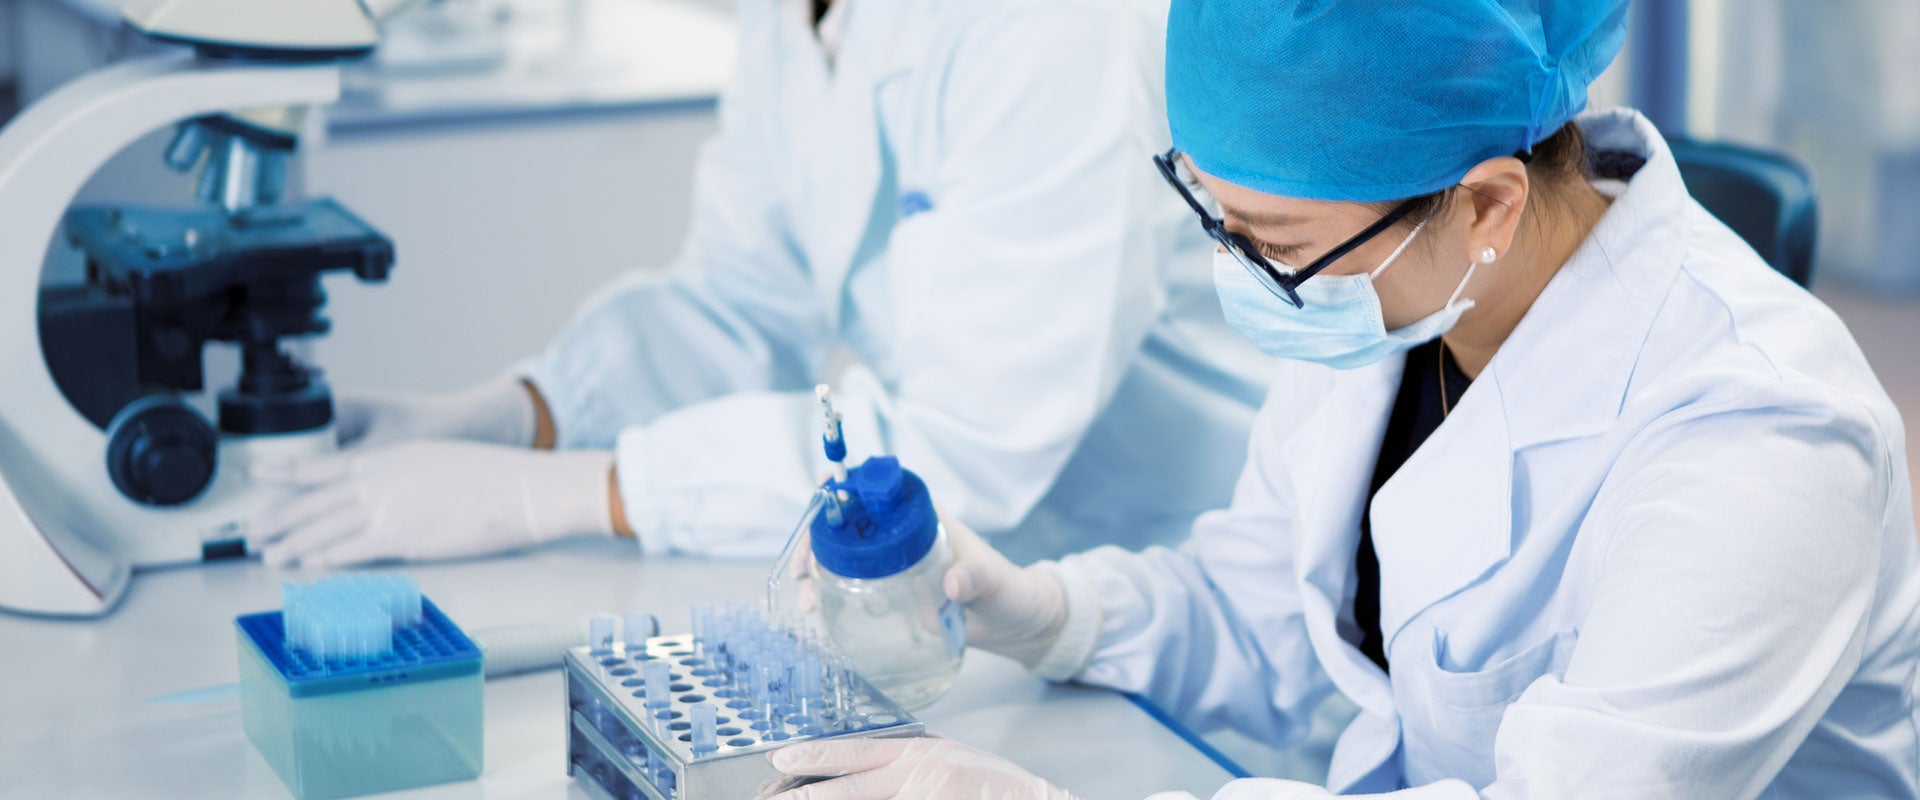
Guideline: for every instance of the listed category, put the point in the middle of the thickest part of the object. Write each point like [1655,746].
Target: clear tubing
[784,563]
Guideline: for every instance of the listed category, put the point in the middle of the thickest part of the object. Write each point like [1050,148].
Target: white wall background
[502,231]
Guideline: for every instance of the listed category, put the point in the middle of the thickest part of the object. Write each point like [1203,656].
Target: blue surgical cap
[1372,100]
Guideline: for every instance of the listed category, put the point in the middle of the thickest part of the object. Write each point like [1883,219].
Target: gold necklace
[1440,370]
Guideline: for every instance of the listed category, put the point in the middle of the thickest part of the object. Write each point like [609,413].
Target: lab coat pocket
[1452,717]
[1500,683]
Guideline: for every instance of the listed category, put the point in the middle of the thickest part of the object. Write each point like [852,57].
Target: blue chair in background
[1767,197]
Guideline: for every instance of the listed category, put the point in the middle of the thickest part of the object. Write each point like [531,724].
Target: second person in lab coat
[957,192]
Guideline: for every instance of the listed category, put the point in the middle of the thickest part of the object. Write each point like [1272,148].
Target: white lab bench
[77,718]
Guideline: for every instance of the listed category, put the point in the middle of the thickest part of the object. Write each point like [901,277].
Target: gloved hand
[1015,611]
[429,500]
[908,769]
[499,412]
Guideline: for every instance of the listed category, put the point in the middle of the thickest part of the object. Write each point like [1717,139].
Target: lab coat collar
[871,29]
[1441,521]
[1445,519]
[1331,459]
[845,143]
[1598,310]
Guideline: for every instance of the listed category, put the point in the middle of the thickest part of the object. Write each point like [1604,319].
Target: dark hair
[1555,160]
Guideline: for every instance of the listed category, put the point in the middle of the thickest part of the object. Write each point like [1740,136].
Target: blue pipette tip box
[341,727]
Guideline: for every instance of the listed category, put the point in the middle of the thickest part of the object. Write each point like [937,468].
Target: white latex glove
[1015,611]
[907,769]
[499,412]
[429,500]
[1275,789]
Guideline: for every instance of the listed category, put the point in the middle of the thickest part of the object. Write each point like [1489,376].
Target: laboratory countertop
[79,717]
[508,59]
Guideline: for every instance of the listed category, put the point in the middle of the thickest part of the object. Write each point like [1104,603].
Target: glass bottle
[880,556]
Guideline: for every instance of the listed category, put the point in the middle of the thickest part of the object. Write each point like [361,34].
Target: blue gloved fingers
[307,540]
[276,521]
[838,757]
[306,473]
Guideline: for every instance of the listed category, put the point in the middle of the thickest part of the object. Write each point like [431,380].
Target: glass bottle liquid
[878,574]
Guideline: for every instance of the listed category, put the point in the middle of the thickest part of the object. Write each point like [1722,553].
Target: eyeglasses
[1278,280]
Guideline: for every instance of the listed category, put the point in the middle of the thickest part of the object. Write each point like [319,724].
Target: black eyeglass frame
[1280,283]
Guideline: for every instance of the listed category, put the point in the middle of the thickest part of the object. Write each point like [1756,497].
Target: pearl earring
[1488,254]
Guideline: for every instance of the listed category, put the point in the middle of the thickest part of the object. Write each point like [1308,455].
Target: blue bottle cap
[888,524]
[878,482]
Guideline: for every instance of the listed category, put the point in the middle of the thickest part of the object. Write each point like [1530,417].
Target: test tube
[656,677]
[760,702]
[807,719]
[812,693]
[704,738]
[700,632]
[843,689]
[636,629]
[789,685]
[600,633]
[776,728]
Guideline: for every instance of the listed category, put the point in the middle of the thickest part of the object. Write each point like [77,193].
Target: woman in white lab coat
[958,193]
[1566,489]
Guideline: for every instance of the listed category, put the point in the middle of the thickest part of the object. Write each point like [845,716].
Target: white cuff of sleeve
[646,509]
[566,494]
[498,411]
[1080,634]
[569,412]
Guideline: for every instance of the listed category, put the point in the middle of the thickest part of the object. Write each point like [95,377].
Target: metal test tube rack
[624,745]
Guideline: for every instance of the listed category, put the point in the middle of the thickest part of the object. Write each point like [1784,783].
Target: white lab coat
[965,200]
[1662,548]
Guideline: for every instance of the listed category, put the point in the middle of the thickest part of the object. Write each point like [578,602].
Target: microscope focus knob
[161,452]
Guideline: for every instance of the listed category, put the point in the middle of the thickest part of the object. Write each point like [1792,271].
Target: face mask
[1341,324]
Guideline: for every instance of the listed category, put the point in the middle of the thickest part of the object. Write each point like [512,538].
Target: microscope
[105,464]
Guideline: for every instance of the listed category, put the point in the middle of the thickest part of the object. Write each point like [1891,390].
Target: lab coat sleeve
[735,313]
[1741,562]
[1017,302]
[1179,626]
